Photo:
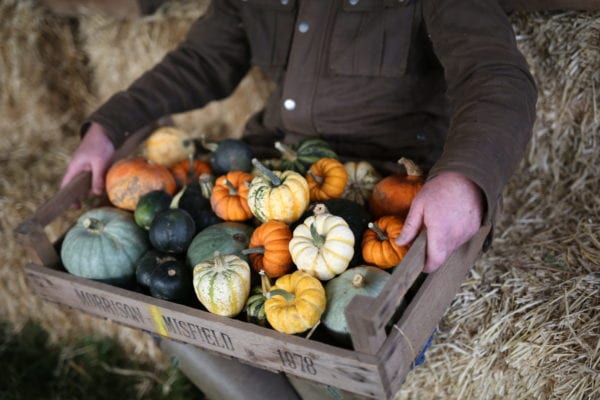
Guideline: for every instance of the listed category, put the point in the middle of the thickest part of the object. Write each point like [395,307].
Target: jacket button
[284,2]
[353,2]
[289,104]
[303,27]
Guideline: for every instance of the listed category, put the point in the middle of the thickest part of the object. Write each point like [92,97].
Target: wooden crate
[375,368]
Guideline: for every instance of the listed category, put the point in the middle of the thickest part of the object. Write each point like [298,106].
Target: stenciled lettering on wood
[194,331]
[297,362]
[109,306]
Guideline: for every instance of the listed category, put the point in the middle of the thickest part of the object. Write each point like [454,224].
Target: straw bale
[133,46]
[527,319]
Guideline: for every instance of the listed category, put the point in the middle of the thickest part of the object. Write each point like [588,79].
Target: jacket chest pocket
[372,38]
[269,25]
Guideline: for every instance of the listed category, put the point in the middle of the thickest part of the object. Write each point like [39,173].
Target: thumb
[412,225]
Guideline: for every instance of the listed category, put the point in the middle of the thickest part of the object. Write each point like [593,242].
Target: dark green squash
[255,305]
[229,155]
[149,205]
[197,205]
[148,263]
[301,156]
[172,281]
[172,231]
[224,238]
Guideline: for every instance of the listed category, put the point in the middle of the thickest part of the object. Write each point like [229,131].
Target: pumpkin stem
[265,282]
[206,184]
[232,190]
[175,200]
[191,172]
[254,250]
[412,169]
[275,180]
[289,297]
[320,209]
[93,225]
[189,143]
[286,151]
[358,281]
[319,179]
[210,146]
[318,239]
[380,234]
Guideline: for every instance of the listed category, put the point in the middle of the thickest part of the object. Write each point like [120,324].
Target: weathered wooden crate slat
[376,367]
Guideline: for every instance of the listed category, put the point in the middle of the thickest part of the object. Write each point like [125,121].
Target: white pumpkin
[362,178]
[322,246]
[222,284]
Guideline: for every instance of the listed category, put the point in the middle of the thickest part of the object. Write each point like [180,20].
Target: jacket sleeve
[206,66]
[490,90]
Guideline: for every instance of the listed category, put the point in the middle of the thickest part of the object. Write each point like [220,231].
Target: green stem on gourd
[380,234]
[175,200]
[205,180]
[254,250]
[93,225]
[289,297]
[317,238]
[412,169]
[232,190]
[191,172]
[317,178]
[210,146]
[286,151]
[265,282]
[358,281]
[275,180]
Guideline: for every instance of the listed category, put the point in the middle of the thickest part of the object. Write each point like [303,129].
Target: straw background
[526,322]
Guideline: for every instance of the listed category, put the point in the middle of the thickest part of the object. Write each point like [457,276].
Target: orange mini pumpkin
[229,198]
[326,179]
[188,171]
[394,194]
[269,249]
[128,180]
[378,244]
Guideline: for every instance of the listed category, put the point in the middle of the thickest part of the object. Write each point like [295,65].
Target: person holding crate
[438,81]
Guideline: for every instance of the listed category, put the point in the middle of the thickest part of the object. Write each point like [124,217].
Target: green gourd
[149,205]
[366,281]
[172,231]
[172,281]
[229,155]
[224,238]
[104,245]
[301,156]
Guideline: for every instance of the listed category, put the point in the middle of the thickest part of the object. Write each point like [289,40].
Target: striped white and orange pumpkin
[362,178]
[222,284]
[322,246]
[278,195]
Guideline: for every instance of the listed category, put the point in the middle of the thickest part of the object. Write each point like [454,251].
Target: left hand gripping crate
[375,368]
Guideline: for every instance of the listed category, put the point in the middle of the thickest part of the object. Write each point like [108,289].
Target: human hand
[93,154]
[450,207]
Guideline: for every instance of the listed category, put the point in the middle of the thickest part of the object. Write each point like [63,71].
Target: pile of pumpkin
[223,226]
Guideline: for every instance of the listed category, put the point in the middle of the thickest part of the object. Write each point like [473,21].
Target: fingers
[438,250]
[412,224]
[97,180]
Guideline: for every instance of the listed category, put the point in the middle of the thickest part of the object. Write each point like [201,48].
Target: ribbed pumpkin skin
[222,284]
[303,311]
[341,290]
[186,172]
[255,307]
[225,238]
[333,256]
[362,178]
[384,253]
[109,253]
[333,178]
[128,180]
[229,198]
[274,237]
[285,202]
[298,158]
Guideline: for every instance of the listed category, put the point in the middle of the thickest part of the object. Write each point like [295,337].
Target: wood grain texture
[249,343]
[409,335]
